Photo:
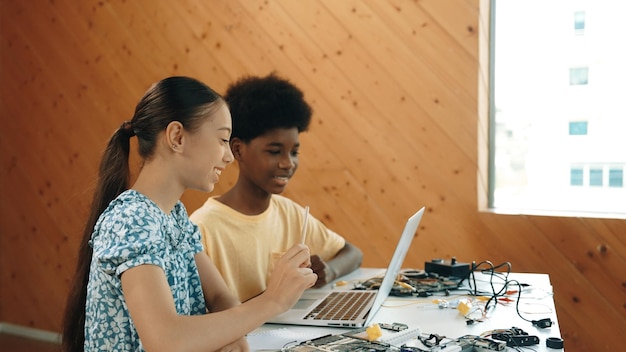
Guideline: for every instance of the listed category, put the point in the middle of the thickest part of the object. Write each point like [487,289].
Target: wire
[493,273]
[499,296]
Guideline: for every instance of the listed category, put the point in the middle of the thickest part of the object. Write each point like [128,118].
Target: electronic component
[447,268]
[394,327]
[471,343]
[517,340]
[515,337]
[414,274]
[542,323]
[408,286]
[554,342]
[334,343]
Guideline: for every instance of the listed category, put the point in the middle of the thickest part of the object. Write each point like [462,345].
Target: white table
[428,315]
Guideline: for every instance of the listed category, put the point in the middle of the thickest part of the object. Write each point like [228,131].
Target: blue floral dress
[134,231]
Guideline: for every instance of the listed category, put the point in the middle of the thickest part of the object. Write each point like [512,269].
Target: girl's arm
[216,293]
[160,328]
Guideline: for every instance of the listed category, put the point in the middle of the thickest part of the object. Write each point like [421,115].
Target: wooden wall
[398,88]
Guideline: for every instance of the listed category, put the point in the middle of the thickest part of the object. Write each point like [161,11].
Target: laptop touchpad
[304,303]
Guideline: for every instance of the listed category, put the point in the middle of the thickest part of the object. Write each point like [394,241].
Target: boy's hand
[325,274]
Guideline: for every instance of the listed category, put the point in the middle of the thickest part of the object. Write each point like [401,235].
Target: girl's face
[269,161]
[208,151]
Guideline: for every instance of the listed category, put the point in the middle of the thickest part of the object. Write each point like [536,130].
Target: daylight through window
[558,118]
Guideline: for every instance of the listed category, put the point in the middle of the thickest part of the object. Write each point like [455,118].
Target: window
[579,22]
[576,176]
[578,76]
[616,178]
[578,128]
[556,112]
[595,177]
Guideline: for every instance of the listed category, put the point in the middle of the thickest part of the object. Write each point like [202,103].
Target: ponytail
[113,179]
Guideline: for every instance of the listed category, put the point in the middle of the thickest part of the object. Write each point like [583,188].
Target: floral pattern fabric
[134,231]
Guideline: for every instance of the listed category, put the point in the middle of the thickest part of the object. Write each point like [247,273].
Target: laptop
[350,308]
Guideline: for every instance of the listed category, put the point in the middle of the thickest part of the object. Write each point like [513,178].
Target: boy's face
[270,160]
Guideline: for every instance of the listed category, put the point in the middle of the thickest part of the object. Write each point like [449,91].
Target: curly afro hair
[260,104]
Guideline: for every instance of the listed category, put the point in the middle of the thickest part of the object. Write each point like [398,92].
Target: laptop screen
[396,262]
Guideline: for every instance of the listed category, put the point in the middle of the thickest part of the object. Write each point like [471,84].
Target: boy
[248,227]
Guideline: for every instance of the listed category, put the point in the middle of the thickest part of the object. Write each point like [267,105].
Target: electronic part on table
[412,341]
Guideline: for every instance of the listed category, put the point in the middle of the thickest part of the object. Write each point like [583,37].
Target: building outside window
[578,76]
[595,177]
[616,177]
[578,128]
[576,176]
[558,118]
[579,22]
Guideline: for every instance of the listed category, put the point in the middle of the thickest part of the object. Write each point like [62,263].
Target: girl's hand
[240,345]
[290,277]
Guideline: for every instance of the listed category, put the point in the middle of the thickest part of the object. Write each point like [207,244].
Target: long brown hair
[178,98]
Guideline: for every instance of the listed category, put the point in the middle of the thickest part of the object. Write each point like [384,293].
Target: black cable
[492,302]
[493,273]
[504,287]
[474,268]
[541,323]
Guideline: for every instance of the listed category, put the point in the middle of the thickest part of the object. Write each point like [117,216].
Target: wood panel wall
[399,93]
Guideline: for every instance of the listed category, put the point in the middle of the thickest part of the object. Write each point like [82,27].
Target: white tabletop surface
[428,315]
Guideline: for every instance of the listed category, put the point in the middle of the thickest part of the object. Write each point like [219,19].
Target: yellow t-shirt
[244,247]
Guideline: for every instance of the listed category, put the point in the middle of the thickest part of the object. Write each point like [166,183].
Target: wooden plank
[30,277]
[589,255]
[454,15]
[436,99]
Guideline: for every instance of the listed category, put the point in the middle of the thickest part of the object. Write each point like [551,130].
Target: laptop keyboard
[343,305]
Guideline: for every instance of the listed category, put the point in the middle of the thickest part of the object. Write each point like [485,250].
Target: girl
[143,281]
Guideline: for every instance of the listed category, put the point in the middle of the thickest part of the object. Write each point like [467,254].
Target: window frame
[486,134]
